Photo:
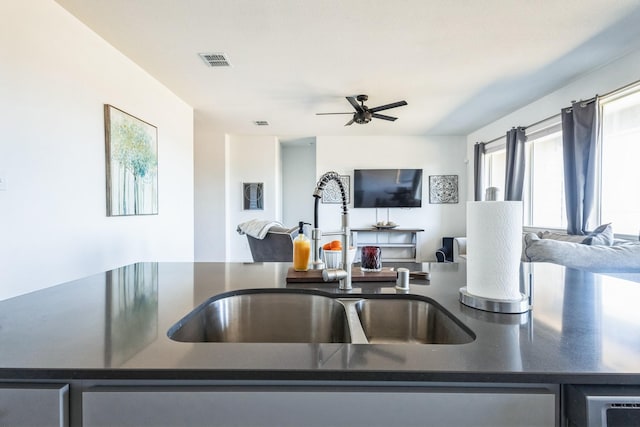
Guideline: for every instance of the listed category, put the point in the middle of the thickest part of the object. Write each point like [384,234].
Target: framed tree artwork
[131,164]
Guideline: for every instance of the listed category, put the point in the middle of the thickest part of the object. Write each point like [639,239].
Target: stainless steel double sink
[309,316]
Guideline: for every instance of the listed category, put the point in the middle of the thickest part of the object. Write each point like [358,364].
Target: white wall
[251,159]
[55,76]
[210,230]
[601,81]
[435,155]
[298,181]
[241,159]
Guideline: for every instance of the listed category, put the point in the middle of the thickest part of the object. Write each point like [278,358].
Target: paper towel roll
[494,247]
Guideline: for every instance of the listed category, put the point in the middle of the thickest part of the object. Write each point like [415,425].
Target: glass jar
[371,258]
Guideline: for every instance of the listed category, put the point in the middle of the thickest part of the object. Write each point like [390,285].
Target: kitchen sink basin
[404,320]
[262,316]
[308,316]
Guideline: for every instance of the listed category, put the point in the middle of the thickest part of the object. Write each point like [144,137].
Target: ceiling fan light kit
[364,114]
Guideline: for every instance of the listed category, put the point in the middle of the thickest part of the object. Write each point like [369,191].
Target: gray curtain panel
[514,176]
[579,132]
[478,169]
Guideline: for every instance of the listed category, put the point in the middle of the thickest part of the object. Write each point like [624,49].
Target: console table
[399,241]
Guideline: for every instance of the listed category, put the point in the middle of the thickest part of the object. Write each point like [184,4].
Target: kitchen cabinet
[321,406]
[34,405]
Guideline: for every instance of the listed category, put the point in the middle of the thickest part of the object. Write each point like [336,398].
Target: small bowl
[333,258]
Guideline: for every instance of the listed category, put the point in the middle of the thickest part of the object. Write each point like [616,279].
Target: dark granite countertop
[584,328]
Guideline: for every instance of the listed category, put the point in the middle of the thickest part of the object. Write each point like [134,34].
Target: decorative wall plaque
[331,193]
[443,189]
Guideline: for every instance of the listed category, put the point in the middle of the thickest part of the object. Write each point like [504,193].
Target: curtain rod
[608,94]
[523,127]
[582,104]
[620,89]
[588,101]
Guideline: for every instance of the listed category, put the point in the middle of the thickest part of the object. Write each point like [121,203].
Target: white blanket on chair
[257,228]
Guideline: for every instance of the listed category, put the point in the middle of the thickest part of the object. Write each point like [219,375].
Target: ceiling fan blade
[383,117]
[355,104]
[350,122]
[326,114]
[386,107]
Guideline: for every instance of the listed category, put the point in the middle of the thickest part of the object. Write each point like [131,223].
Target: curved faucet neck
[322,183]
[345,283]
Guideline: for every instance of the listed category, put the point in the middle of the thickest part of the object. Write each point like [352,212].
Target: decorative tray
[385,227]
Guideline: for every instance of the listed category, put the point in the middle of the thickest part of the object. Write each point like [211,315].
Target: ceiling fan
[364,114]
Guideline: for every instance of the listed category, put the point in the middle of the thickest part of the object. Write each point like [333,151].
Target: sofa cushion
[575,238]
[596,258]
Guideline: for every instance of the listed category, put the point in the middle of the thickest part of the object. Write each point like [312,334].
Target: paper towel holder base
[521,305]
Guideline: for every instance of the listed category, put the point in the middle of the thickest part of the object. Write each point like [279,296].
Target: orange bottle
[301,250]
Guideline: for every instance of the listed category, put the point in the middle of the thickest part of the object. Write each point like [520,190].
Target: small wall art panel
[253,196]
[443,189]
[331,192]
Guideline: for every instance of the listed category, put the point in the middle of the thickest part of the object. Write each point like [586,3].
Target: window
[619,168]
[620,203]
[495,164]
[544,202]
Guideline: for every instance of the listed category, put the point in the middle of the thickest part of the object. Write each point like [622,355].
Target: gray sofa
[619,258]
[597,252]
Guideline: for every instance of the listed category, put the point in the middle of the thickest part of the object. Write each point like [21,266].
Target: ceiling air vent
[261,123]
[215,59]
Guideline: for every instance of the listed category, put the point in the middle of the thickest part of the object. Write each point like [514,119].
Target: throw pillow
[603,235]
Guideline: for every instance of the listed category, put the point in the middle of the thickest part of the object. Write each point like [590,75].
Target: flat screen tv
[387,188]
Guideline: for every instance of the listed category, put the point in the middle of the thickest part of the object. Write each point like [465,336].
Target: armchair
[459,249]
[276,246]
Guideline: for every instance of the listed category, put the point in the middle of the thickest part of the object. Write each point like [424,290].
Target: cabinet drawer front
[34,405]
[353,408]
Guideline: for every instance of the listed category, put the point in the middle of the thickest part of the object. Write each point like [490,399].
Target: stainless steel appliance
[602,406]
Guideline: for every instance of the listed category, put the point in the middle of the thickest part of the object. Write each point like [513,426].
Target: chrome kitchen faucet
[344,274]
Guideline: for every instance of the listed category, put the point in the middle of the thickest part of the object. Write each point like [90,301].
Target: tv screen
[387,188]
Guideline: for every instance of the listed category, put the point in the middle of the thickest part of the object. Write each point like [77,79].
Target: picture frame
[131,153]
[252,196]
[331,193]
[443,189]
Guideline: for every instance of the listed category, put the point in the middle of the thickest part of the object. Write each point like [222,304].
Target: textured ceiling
[459,64]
